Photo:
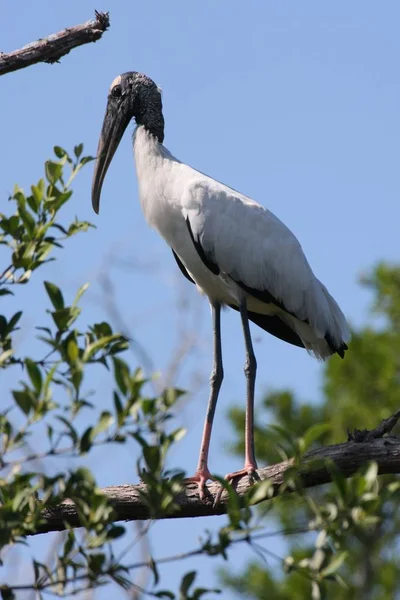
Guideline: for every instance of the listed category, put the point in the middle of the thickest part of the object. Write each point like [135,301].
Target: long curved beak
[115,122]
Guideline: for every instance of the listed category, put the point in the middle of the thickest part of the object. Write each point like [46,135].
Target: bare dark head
[131,96]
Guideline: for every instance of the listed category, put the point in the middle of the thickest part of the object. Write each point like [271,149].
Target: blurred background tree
[309,93]
[340,538]
[357,392]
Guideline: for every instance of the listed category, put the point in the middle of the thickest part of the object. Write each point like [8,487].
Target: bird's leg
[202,474]
[250,369]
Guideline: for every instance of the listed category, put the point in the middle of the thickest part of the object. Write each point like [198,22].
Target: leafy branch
[52,406]
[312,469]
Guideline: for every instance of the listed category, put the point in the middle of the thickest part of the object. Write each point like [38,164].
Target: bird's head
[131,95]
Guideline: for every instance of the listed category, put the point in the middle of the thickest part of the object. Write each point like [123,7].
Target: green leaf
[56,201]
[260,491]
[371,474]
[13,321]
[53,171]
[285,434]
[86,440]
[37,193]
[338,479]
[24,400]
[164,594]
[7,593]
[149,406]
[177,435]
[314,433]
[121,374]
[19,197]
[64,317]
[69,543]
[153,567]
[72,350]
[78,226]
[171,395]
[187,581]
[199,592]
[55,295]
[4,356]
[105,421]
[49,380]
[35,374]
[234,505]
[3,326]
[59,152]
[78,150]
[28,220]
[102,329]
[116,531]
[10,225]
[71,430]
[335,564]
[80,293]
[118,408]
[87,159]
[94,347]
[152,457]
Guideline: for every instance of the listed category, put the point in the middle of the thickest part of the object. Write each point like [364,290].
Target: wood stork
[236,251]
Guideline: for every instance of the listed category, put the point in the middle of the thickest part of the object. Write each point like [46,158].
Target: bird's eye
[116,91]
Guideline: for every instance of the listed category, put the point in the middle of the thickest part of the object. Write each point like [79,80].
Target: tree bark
[348,458]
[53,47]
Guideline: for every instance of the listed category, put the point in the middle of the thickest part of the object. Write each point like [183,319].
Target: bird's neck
[149,152]
[146,146]
[153,168]
[152,119]
[149,159]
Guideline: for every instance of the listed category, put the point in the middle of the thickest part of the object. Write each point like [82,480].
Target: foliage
[343,537]
[47,404]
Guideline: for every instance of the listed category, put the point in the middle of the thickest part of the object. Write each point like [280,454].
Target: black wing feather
[200,251]
[272,324]
[182,267]
[275,326]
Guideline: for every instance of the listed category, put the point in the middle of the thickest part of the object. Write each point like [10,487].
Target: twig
[53,47]
[348,457]
[365,435]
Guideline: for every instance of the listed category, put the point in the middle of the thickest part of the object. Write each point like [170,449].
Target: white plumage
[236,251]
[247,242]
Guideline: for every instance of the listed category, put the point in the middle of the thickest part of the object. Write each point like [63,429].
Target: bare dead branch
[365,435]
[53,47]
[348,457]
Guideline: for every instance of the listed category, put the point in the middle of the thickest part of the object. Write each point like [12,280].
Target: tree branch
[53,47]
[348,457]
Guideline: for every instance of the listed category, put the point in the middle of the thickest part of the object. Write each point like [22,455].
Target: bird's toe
[200,478]
[249,470]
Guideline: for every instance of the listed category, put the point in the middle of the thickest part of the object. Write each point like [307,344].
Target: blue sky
[294,104]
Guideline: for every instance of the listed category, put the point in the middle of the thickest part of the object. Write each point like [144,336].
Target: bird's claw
[200,478]
[248,470]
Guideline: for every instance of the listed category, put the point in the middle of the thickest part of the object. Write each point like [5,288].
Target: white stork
[236,251]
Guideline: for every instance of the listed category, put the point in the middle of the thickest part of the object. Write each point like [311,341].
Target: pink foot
[250,470]
[200,478]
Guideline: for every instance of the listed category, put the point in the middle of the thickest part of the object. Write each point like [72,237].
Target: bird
[237,253]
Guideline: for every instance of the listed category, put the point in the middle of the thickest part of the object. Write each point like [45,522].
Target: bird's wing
[182,267]
[235,235]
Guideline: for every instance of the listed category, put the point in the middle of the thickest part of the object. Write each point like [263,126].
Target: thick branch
[348,457]
[53,47]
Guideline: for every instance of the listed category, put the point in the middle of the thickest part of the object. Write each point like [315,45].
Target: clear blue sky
[295,104]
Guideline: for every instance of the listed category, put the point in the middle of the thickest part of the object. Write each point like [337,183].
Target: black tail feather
[340,350]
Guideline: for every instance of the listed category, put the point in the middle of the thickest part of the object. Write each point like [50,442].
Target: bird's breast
[169,222]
